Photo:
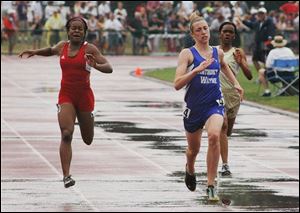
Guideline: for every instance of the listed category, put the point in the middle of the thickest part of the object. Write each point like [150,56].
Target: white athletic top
[235,68]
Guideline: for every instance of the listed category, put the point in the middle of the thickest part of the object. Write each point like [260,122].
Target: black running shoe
[190,180]
[68,181]
[225,170]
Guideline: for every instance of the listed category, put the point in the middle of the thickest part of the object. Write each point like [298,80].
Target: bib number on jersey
[221,101]
[186,113]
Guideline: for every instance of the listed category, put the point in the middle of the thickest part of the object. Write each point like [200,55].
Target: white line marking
[138,154]
[35,151]
[159,122]
[180,130]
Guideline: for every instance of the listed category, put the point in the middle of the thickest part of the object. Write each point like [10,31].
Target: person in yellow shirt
[53,26]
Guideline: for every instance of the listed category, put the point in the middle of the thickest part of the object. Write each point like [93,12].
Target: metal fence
[124,43]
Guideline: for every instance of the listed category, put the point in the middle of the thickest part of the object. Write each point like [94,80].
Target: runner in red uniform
[76,98]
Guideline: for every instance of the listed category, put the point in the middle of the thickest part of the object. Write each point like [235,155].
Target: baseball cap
[262,10]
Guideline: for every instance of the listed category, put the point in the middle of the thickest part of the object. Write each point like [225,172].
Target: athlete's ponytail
[195,17]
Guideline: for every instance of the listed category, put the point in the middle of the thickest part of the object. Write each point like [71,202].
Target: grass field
[252,91]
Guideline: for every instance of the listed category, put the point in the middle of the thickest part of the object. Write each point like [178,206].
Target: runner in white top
[236,59]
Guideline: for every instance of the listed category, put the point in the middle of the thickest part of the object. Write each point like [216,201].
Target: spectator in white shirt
[226,11]
[120,12]
[114,28]
[279,52]
[188,6]
[104,9]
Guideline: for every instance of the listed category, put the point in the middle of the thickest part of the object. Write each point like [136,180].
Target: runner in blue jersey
[198,71]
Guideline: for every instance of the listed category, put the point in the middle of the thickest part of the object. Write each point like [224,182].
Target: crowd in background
[150,24]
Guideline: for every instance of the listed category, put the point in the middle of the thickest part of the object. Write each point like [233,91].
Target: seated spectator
[279,52]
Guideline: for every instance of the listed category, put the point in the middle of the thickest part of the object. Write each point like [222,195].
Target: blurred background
[139,27]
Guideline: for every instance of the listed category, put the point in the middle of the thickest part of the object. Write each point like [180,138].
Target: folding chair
[285,76]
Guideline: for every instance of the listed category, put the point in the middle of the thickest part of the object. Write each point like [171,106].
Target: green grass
[252,91]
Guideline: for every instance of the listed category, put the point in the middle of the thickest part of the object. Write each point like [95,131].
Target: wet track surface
[136,162]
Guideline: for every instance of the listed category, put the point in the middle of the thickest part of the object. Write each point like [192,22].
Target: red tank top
[75,70]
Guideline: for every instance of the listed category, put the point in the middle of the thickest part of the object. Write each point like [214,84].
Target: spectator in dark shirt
[22,20]
[135,27]
[156,28]
[37,32]
[264,32]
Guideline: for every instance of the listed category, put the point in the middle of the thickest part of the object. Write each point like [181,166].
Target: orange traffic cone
[138,71]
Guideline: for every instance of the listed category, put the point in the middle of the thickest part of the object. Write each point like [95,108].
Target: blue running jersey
[203,93]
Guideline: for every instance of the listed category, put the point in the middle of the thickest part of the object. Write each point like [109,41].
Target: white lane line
[35,151]
[137,154]
[106,136]
[141,114]
[26,90]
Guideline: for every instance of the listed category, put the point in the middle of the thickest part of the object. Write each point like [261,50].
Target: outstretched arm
[97,60]
[49,51]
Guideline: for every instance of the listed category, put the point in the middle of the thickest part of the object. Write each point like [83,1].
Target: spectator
[37,32]
[135,27]
[188,7]
[156,27]
[54,25]
[281,24]
[145,26]
[49,10]
[64,13]
[290,8]
[104,9]
[121,13]
[103,44]
[83,10]
[279,52]
[244,6]
[114,28]
[10,29]
[207,12]
[214,27]
[37,10]
[167,7]
[77,7]
[296,23]
[237,10]
[152,7]
[264,31]
[173,30]
[182,11]
[22,20]
[245,36]
[92,9]
[226,11]
[93,33]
